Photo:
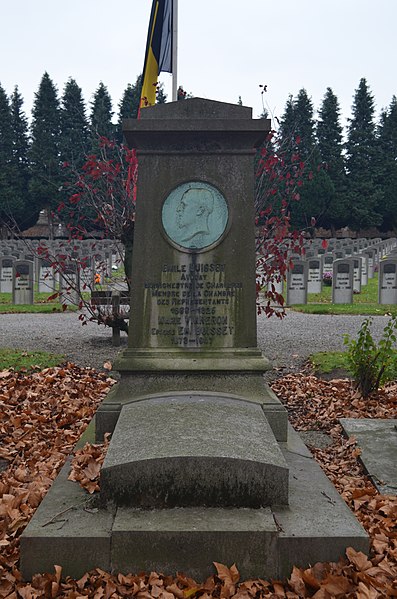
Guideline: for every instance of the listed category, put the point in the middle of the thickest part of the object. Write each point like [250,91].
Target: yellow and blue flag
[158,57]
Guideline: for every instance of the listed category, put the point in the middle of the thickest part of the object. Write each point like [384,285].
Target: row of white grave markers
[67,268]
[347,269]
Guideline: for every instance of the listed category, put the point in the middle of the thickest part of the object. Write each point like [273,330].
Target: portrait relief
[195,215]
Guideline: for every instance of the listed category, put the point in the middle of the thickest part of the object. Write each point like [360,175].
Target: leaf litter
[43,414]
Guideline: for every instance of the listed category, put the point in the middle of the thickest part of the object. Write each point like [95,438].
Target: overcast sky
[226,48]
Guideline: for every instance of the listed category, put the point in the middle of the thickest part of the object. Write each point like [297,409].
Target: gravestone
[315,276]
[364,269]
[6,274]
[297,283]
[327,261]
[47,279]
[357,269]
[342,281]
[370,253]
[69,283]
[22,285]
[201,464]
[387,284]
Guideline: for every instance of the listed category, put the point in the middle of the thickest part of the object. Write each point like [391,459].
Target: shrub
[327,278]
[371,363]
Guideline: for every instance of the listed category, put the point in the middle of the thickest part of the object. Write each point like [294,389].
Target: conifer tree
[129,105]
[329,138]
[20,139]
[101,117]
[387,165]
[364,193]
[74,139]
[44,151]
[304,124]
[299,143]
[10,206]
[161,96]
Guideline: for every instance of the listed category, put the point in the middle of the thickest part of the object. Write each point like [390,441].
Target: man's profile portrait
[193,213]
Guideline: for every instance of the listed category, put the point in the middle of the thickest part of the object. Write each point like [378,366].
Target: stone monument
[202,465]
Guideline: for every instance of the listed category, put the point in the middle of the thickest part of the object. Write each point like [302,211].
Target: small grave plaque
[46,276]
[356,274]
[314,280]
[69,285]
[6,265]
[297,283]
[342,282]
[387,286]
[22,291]
[364,269]
[371,262]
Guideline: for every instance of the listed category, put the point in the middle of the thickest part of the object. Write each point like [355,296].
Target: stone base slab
[141,386]
[377,439]
[316,526]
[194,450]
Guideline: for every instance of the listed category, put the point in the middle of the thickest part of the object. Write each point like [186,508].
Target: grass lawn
[24,360]
[41,305]
[365,303]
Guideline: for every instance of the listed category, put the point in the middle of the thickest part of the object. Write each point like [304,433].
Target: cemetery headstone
[364,269]
[315,275]
[47,279]
[371,261]
[69,284]
[342,281]
[357,270]
[195,460]
[297,278]
[6,274]
[387,284]
[22,285]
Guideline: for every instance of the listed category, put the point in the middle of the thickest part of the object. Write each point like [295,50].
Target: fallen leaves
[87,463]
[43,414]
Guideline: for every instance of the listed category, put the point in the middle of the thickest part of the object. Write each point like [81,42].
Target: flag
[158,57]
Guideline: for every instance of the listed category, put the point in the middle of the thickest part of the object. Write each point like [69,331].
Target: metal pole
[174,50]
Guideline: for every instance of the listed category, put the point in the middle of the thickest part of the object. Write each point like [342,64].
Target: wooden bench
[109,305]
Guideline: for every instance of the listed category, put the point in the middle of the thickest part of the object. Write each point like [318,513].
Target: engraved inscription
[192,305]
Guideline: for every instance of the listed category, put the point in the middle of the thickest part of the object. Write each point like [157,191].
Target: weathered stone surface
[194,450]
[315,526]
[190,539]
[248,386]
[377,439]
[62,531]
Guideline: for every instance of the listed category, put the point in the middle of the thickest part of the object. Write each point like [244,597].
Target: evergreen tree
[304,125]
[287,132]
[387,165]
[10,205]
[129,105]
[329,138]
[101,117]
[44,151]
[20,132]
[161,96]
[364,194]
[74,139]
[298,144]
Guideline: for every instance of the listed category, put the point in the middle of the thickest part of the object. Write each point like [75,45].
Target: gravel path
[287,343]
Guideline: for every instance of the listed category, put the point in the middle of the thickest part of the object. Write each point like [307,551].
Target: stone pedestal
[201,465]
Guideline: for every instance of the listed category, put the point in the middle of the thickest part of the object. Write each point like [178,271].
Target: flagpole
[174,50]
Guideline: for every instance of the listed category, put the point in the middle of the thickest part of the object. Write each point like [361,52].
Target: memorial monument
[202,465]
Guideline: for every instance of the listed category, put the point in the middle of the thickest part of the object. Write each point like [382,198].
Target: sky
[227,48]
